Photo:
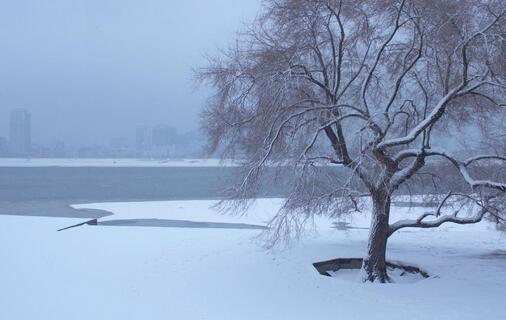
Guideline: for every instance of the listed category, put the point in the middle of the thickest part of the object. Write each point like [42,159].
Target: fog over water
[91,70]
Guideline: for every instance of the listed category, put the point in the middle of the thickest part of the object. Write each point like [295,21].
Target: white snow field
[99,272]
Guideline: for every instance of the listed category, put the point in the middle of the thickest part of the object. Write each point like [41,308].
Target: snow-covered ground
[73,162]
[98,272]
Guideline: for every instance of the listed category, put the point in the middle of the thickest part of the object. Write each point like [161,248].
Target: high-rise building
[143,138]
[164,135]
[3,146]
[20,132]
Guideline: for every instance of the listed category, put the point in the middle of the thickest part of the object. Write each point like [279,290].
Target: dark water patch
[494,255]
[60,209]
[49,191]
[111,184]
[177,224]
[415,204]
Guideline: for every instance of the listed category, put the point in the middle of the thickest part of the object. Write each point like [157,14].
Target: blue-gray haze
[89,71]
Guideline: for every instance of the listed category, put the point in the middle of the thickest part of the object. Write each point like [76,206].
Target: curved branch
[441,219]
[420,223]
[462,167]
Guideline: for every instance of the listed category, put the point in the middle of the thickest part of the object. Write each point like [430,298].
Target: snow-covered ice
[96,272]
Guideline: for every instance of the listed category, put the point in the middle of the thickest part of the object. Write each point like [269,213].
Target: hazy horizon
[90,71]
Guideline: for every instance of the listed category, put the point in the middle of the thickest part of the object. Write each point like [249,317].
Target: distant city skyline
[91,70]
[143,141]
[20,132]
[127,132]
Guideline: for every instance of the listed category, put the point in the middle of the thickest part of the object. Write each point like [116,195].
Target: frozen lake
[47,191]
[110,184]
[47,188]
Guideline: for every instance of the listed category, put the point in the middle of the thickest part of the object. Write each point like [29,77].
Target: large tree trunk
[374,266]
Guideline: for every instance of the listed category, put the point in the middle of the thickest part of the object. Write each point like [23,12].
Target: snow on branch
[462,166]
[467,86]
[422,223]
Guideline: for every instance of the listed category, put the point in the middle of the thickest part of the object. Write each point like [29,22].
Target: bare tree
[367,86]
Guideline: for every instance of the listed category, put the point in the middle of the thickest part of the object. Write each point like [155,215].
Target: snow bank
[166,273]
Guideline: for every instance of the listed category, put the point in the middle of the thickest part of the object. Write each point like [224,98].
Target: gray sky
[91,70]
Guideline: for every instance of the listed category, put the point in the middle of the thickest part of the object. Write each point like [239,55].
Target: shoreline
[113,163]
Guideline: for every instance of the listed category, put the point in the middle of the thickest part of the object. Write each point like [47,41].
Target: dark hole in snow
[415,204]
[344,226]
[330,268]
[497,254]
[325,267]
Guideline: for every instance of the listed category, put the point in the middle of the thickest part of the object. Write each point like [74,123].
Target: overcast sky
[91,70]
